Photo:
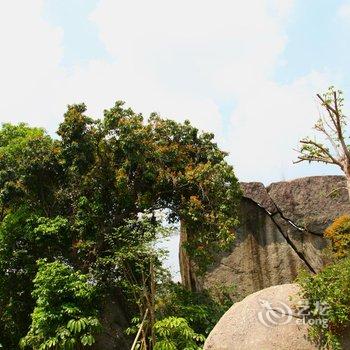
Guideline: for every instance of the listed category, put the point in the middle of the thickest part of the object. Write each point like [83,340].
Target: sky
[246,70]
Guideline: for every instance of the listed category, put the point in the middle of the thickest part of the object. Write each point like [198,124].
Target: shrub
[65,313]
[174,333]
[330,287]
[339,235]
[200,309]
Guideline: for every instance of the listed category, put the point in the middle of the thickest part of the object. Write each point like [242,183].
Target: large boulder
[281,231]
[265,320]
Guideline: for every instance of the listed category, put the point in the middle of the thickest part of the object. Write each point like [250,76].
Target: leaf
[87,339]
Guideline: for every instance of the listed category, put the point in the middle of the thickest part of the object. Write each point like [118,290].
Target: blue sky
[248,71]
[81,42]
[317,40]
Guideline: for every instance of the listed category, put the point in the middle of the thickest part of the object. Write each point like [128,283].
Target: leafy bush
[65,311]
[339,235]
[200,309]
[330,287]
[174,333]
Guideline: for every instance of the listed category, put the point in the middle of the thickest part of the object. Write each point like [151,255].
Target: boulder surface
[265,320]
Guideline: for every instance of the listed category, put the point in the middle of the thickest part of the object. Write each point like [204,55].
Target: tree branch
[340,131]
[314,159]
[331,160]
[334,114]
[328,136]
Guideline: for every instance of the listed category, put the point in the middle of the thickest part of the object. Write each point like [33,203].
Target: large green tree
[72,200]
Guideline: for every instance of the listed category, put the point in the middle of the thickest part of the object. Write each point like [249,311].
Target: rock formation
[264,320]
[281,231]
[114,319]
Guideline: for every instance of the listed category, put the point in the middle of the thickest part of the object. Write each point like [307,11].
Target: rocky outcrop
[267,319]
[114,318]
[281,231]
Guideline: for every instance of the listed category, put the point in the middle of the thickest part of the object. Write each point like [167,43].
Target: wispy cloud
[344,10]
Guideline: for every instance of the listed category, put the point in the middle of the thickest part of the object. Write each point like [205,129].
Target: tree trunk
[346,169]
[348,184]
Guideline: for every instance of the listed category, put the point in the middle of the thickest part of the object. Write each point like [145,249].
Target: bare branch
[334,114]
[331,111]
[336,190]
[327,105]
[313,159]
[328,136]
[325,151]
[340,131]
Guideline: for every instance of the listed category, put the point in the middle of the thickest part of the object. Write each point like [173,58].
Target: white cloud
[179,58]
[267,124]
[30,54]
[344,11]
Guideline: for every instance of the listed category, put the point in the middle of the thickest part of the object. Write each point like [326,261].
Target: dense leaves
[174,333]
[330,288]
[78,199]
[339,235]
[65,314]
[200,309]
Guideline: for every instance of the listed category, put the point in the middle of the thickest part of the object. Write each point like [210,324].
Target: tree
[334,149]
[77,200]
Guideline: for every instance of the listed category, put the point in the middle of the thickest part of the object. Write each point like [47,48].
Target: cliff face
[281,231]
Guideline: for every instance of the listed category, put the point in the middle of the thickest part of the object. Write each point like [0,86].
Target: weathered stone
[259,257]
[257,192]
[280,232]
[114,319]
[264,320]
[311,202]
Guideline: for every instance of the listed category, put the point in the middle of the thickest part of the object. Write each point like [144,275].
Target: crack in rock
[278,311]
[298,227]
[286,237]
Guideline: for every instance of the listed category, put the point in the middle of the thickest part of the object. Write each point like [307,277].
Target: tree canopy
[71,203]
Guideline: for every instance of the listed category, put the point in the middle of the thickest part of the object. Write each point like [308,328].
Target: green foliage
[65,312]
[200,309]
[77,199]
[174,333]
[332,288]
[24,237]
[339,235]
